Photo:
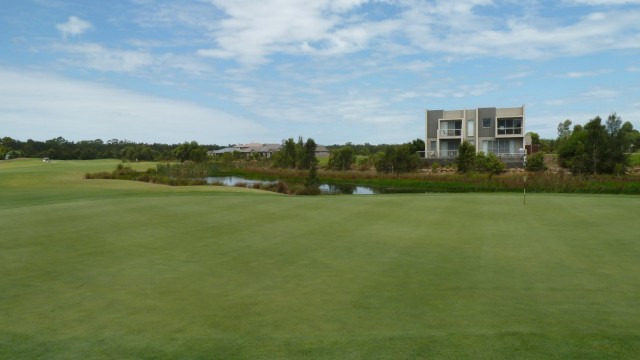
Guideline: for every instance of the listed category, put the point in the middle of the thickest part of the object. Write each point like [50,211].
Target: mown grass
[103,269]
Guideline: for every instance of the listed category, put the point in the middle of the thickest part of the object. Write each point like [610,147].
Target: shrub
[493,165]
[466,158]
[535,162]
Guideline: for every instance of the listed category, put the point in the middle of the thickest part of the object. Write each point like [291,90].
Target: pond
[330,189]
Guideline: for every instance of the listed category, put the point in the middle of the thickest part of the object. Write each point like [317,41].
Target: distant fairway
[106,269]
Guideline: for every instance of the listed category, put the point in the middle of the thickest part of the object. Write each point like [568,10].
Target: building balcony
[450,133]
[509,131]
[441,154]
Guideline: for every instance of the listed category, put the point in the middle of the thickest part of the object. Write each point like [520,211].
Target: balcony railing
[453,153]
[510,156]
[510,131]
[450,132]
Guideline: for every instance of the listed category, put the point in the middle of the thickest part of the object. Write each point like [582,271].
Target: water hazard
[330,189]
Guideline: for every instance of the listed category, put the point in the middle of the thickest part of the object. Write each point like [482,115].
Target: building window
[486,122]
[510,126]
[499,146]
[449,148]
[451,128]
[471,128]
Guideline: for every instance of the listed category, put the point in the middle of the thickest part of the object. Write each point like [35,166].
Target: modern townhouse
[492,130]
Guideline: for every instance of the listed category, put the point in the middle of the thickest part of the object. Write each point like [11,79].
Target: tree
[417,145]
[397,159]
[308,155]
[190,151]
[597,147]
[535,138]
[466,157]
[613,124]
[286,156]
[342,159]
[564,129]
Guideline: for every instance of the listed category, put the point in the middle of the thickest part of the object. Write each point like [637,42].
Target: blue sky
[227,72]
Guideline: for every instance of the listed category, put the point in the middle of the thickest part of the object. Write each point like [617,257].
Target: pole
[524,183]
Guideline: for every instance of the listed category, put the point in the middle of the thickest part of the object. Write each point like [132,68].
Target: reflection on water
[234,180]
[347,189]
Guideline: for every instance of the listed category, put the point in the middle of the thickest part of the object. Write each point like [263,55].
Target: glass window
[486,122]
[498,146]
[510,126]
[471,128]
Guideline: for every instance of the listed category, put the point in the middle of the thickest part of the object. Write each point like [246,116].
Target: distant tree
[397,159]
[564,129]
[190,151]
[631,137]
[597,147]
[286,156]
[466,157]
[342,159]
[417,145]
[292,155]
[535,138]
[308,155]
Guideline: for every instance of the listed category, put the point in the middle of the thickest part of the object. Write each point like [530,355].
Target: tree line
[597,147]
[62,149]
[384,158]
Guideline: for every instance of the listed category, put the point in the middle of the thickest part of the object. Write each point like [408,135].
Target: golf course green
[109,269]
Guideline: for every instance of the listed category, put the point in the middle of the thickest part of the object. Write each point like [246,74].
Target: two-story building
[491,130]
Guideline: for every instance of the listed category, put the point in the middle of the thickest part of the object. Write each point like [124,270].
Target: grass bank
[475,182]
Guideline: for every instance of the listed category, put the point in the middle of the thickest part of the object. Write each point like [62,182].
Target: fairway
[107,269]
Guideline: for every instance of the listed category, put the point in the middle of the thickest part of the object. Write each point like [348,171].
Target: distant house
[491,130]
[264,150]
[322,151]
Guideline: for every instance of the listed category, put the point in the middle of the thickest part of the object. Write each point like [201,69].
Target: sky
[240,71]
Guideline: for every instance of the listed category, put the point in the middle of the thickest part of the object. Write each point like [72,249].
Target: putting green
[102,269]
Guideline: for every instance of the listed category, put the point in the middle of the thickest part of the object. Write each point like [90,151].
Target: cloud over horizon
[336,70]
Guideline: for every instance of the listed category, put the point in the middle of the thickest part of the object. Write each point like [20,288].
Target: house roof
[258,148]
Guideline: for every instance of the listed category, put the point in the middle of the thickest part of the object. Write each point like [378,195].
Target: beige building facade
[491,130]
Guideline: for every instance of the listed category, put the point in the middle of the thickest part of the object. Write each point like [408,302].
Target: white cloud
[519,75]
[44,106]
[604,2]
[600,93]
[97,57]
[527,40]
[74,26]
[324,28]
[583,74]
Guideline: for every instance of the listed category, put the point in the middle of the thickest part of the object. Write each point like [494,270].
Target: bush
[535,162]
[489,163]
[466,159]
